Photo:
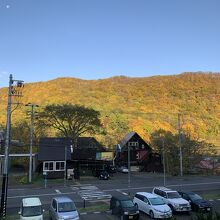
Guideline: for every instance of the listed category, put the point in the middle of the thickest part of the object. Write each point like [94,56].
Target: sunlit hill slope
[146,104]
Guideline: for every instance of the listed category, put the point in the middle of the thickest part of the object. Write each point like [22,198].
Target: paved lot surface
[93,189]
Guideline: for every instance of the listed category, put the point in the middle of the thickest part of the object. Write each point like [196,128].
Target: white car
[152,205]
[173,199]
[31,209]
[123,169]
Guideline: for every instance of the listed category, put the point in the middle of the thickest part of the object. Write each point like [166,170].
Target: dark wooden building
[56,155]
[141,154]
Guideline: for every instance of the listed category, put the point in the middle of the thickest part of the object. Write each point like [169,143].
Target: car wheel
[151,214]
[171,207]
[197,209]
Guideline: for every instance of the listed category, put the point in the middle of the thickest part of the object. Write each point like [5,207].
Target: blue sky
[92,39]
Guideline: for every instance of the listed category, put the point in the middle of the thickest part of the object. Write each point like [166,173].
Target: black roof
[85,142]
[187,192]
[129,136]
[121,197]
[126,138]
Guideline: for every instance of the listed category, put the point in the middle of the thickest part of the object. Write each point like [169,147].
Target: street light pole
[31,139]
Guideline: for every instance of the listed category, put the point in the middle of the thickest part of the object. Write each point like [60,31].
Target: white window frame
[48,165]
[133,144]
[54,169]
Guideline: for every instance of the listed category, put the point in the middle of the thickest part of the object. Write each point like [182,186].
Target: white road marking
[88,188]
[110,190]
[151,187]
[93,193]
[83,213]
[74,188]
[40,195]
[58,191]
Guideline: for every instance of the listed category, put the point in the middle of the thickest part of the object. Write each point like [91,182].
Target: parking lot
[100,216]
[93,190]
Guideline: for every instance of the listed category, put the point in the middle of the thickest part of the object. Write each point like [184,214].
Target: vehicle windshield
[127,204]
[31,211]
[156,201]
[173,195]
[194,197]
[66,207]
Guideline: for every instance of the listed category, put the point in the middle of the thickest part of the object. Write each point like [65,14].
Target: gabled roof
[86,141]
[127,137]
[133,136]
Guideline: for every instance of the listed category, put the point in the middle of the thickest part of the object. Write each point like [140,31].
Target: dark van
[124,207]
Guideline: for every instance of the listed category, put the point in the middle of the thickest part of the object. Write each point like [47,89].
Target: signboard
[104,156]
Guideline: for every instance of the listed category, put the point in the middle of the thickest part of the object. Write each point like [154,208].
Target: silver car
[63,208]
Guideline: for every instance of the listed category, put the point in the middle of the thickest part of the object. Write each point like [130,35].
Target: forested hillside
[139,104]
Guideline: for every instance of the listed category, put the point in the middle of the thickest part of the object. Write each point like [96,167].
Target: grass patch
[12,217]
[17,217]
[94,208]
[211,195]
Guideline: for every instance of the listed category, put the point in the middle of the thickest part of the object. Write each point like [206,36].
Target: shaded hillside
[146,104]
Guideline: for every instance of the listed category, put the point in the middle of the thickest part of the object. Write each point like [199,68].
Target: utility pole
[129,170]
[180,146]
[12,91]
[164,168]
[65,157]
[31,139]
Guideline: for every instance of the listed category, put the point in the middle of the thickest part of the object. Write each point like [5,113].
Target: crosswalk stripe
[74,188]
[57,191]
[92,193]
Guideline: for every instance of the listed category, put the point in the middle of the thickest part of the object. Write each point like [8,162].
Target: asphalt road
[91,188]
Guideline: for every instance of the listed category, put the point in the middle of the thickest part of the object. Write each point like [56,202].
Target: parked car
[63,208]
[110,169]
[152,205]
[97,172]
[124,207]
[122,169]
[197,202]
[173,199]
[31,208]
[104,175]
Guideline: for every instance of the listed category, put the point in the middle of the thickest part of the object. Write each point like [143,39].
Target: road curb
[96,212]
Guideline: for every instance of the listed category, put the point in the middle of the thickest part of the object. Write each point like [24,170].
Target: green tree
[192,150]
[70,120]
[116,127]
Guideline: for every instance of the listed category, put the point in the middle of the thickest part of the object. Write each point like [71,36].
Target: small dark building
[86,148]
[54,153]
[141,154]
[59,154]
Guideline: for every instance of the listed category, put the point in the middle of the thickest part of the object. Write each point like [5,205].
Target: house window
[54,166]
[60,166]
[48,166]
[133,144]
[91,145]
